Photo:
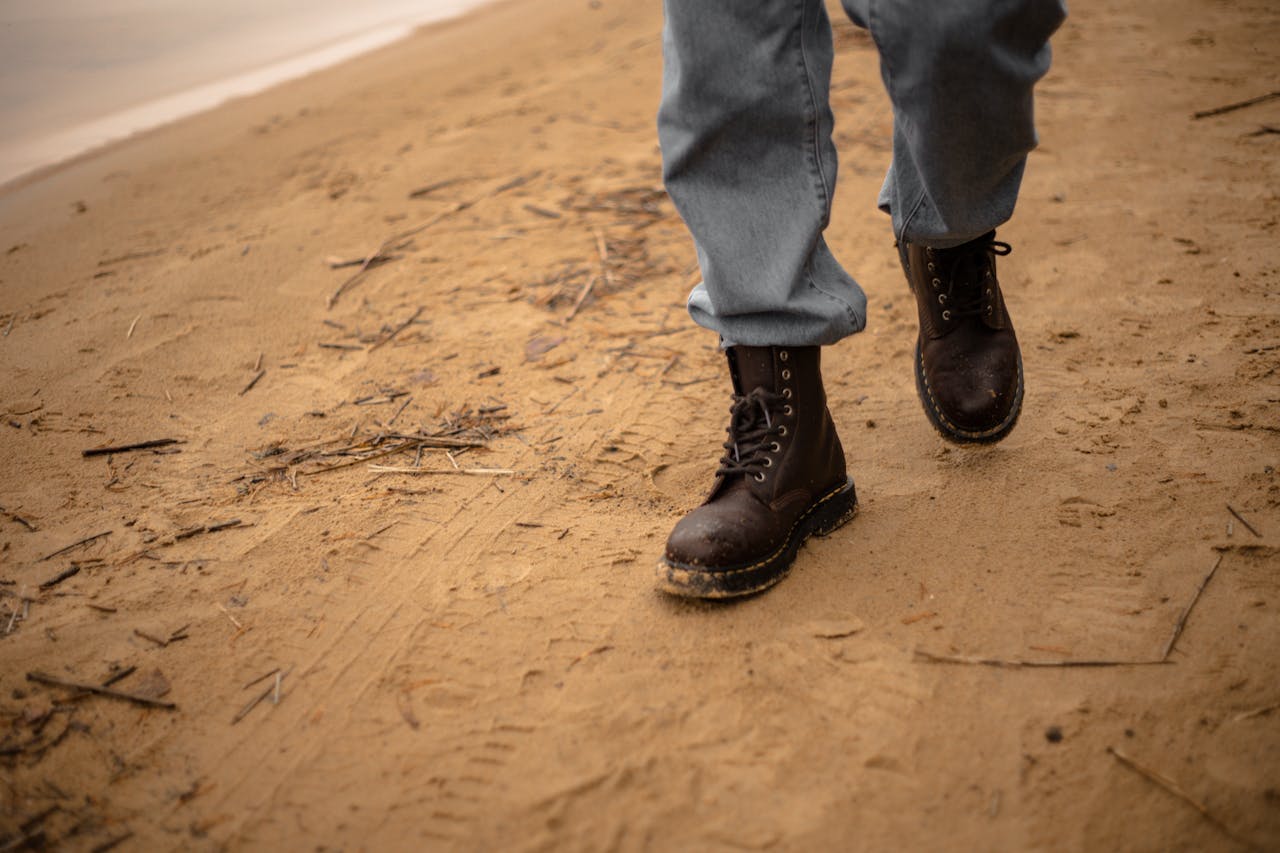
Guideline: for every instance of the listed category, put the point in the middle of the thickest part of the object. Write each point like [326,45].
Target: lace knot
[966,271]
[753,423]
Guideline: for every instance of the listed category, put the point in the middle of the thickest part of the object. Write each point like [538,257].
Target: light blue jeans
[745,128]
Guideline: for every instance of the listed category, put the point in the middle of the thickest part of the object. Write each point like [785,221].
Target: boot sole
[950,431]
[825,516]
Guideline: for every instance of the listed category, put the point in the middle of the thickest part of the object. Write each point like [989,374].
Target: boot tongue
[752,367]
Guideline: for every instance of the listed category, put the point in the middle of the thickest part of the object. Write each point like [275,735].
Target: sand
[479,661]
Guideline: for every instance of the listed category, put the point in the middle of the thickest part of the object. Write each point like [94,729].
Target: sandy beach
[410,335]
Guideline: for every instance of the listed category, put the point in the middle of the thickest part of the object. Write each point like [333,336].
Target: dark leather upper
[782,455]
[968,353]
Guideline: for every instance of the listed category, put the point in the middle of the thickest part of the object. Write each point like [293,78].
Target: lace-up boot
[782,479]
[968,365]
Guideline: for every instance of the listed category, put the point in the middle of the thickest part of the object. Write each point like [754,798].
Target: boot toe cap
[705,539]
[978,409]
[976,393]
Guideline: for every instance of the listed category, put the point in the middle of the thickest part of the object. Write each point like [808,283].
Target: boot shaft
[956,287]
[789,371]
[804,453]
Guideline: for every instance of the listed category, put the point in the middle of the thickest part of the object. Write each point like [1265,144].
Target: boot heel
[835,512]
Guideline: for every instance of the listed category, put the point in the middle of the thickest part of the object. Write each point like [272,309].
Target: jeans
[745,130]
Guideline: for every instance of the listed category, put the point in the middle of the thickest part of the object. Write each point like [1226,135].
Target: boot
[782,478]
[968,365]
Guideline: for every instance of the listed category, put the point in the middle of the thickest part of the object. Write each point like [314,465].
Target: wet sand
[75,75]
[479,661]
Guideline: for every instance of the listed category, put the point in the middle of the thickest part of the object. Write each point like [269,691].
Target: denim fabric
[745,129]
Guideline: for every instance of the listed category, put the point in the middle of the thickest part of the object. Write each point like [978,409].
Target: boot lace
[752,428]
[966,272]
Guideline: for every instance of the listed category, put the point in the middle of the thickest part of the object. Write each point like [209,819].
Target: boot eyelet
[788,411]
[988,291]
[768,462]
[988,309]
[782,356]
[782,430]
[775,447]
[786,392]
[937,282]
[931,267]
[946,315]
[942,299]
[786,374]
[759,478]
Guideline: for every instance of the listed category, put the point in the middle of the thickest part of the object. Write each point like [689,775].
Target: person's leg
[747,157]
[745,131]
[960,75]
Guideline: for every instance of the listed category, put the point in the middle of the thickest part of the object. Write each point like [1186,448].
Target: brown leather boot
[782,479]
[968,365]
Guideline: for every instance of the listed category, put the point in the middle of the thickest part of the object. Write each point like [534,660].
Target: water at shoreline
[76,74]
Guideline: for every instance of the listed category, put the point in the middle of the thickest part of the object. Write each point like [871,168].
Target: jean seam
[814,154]
[850,315]
[911,215]
[886,59]
[880,49]
[815,158]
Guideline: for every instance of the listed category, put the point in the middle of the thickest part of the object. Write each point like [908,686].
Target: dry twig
[399,411]
[1256,712]
[254,381]
[1173,788]
[205,528]
[1238,105]
[41,678]
[260,678]
[180,536]
[227,613]
[152,638]
[60,577]
[399,469]
[1240,518]
[19,519]
[123,448]
[929,657]
[272,689]
[1186,611]
[397,330]
[582,297]
[423,192]
[399,241]
[84,541]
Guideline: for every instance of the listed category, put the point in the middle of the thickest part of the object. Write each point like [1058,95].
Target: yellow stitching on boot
[775,554]
[937,410]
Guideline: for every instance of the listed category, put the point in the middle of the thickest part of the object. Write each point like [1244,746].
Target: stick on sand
[1173,788]
[398,241]
[929,657]
[85,541]
[400,469]
[123,448]
[41,678]
[1186,612]
[1238,105]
